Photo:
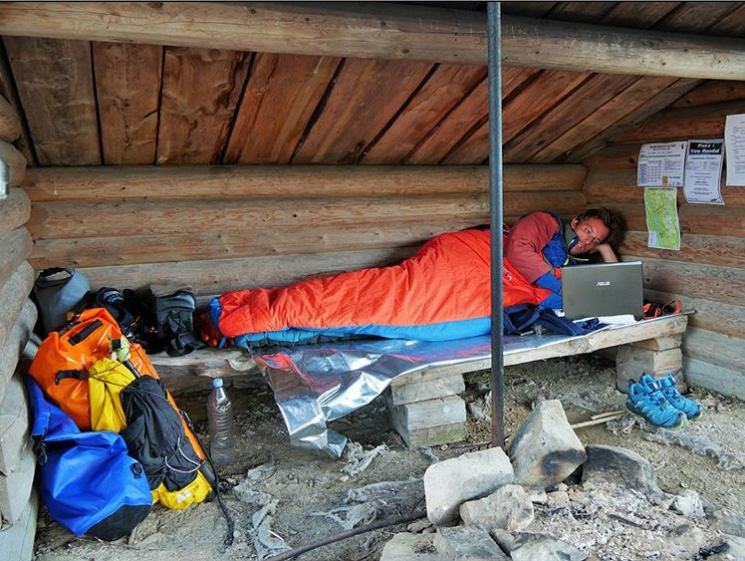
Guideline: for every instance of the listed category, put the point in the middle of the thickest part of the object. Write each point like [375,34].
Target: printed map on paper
[662,218]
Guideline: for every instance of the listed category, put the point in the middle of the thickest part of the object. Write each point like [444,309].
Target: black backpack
[173,317]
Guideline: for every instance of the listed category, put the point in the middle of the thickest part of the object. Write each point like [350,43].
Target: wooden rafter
[384,31]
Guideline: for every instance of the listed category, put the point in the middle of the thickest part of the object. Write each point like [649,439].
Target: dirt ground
[306,486]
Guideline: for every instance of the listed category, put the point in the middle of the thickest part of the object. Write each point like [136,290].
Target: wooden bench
[425,408]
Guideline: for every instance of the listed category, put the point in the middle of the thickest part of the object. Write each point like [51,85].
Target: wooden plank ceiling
[90,103]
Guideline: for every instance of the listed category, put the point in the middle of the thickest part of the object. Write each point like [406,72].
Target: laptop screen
[605,289]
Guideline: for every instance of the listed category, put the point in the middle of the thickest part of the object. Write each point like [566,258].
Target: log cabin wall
[207,187]
[18,502]
[708,273]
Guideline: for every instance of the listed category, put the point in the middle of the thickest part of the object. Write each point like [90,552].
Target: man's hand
[606,252]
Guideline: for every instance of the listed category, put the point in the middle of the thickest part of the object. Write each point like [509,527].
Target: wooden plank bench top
[193,372]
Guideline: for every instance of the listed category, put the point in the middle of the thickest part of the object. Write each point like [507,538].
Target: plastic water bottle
[220,414]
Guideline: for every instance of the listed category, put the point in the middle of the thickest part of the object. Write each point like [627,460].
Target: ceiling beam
[380,30]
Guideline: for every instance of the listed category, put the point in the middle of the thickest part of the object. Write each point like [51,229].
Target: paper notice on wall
[703,172]
[661,208]
[661,164]
[734,141]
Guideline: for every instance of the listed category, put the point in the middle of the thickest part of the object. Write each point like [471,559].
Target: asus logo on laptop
[603,283]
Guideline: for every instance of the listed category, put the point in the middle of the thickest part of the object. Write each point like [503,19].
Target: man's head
[593,227]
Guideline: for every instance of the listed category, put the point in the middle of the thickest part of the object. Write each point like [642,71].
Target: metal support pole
[494,34]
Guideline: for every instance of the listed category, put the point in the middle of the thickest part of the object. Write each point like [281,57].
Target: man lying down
[441,293]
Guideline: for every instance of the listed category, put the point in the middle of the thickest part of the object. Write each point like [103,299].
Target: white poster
[734,141]
[661,164]
[703,173]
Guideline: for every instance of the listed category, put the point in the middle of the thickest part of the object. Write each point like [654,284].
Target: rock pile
[555,499]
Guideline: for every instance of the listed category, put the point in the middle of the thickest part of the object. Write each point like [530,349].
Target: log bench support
[657,357]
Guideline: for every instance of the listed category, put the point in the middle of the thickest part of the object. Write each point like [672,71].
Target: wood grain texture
[691,122]
[710,314]
[15,210]
[156,183]
[715,378]
[592,130]
[282,93]
[721,251]
[128,90]
[652,106]
[366,96]
[712,91]
[447,86]
[543,93]
[382,32]
[201,88]
[257,241]
[465,125]
[10,123]
[13,295]
[694,219]
[620,187]
[10,93]
[55,84]
[221,275]
[696,17]
[614,158]
[80,220]
[15,248]
[472,150]
[583,102]
[726,285]
[638,14]
[715,348]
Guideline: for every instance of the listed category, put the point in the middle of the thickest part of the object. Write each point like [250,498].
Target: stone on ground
[688,503]
[467,543]
[508,507]
[620,466]
[411,547]
[545,449]
[451,482]
[547,549]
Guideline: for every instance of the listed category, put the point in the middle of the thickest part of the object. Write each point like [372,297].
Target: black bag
[56,292]
[131,312]
[174,322]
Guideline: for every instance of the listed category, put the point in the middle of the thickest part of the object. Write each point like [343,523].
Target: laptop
[605,289]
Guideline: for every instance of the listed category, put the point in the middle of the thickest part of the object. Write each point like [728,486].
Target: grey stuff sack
[57,291]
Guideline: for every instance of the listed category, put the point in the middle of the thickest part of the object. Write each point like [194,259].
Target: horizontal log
[612,158]
[715,378]
[222,275]
[10,353]
[720,251]
[715,348]
[387,31]
[15,248]
[258,242]
[13,295]
[706,121]
[80,220]
[709,220]
[710,314]
[620,187]
[10,124]
[149,183]
[723,284]
[16,163]
[16,210]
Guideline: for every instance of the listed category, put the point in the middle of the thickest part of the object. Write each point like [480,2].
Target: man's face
[590,234]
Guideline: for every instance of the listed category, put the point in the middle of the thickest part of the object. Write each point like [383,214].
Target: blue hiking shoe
[690,408]
[646,400]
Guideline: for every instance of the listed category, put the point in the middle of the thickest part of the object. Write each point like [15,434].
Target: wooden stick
[597,421]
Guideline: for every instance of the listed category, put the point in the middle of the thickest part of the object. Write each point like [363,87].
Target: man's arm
[606,252]
[525,244]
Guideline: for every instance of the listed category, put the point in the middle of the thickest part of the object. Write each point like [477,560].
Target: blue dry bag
[88,482]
